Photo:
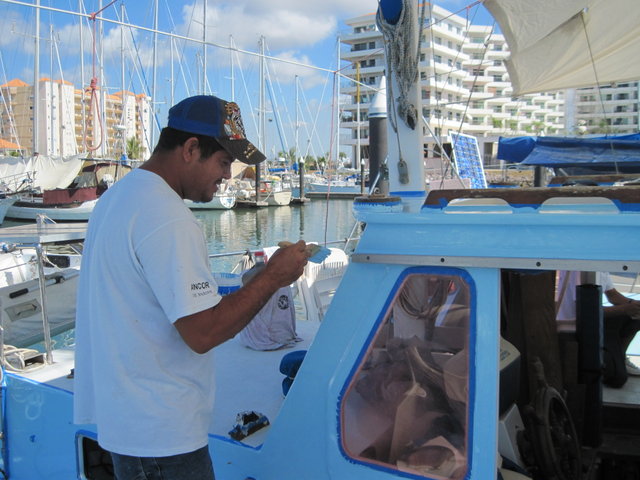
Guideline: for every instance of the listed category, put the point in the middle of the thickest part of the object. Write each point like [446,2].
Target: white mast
[405,158]
[262,113]
[155,62]
[233,80]
[337,111]
[84,114]
[297,122]
[171,83]
[204,47]
[104,149]
[51,137]
[36,82]
[123,120]
[262,100]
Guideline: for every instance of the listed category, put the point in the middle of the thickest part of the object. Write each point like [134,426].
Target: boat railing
[18,182]
[346,242]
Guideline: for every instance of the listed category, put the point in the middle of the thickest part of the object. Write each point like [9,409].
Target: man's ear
[191,149]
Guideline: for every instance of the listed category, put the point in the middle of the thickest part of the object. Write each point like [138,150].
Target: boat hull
[277,199]
[5,204]
[218,202]
[70,213]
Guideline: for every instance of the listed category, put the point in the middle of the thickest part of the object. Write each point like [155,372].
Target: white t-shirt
[567,308]
[145,265]
[274,326]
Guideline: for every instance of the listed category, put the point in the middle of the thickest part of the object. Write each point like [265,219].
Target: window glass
[406,405]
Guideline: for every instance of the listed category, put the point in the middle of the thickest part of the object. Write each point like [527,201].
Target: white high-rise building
[71,122]
[610,109]
[464,85]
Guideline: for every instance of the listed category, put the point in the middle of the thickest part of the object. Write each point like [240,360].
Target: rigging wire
[8,107]
[598,86]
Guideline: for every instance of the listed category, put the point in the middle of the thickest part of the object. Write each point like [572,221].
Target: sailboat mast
[155,62]
[172,89]
[262,113]
[36,83]
[233,80]
[297,123]
[204,47]
[103,97]
[84,113]
[337,111]
[51,135]
[404,135]
[357,165]
[123,119]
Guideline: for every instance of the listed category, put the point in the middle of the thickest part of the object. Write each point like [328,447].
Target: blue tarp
[515,149]
[559,152]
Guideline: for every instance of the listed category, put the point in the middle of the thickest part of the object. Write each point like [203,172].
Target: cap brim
[243,150]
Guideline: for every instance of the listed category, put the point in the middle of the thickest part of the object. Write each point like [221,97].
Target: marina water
[242,229]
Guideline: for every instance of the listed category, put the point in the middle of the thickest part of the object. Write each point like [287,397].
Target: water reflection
[241,229]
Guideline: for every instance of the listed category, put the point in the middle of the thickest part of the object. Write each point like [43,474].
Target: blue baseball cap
[217,118]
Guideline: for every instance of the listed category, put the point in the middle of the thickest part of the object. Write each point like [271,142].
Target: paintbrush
[317,253]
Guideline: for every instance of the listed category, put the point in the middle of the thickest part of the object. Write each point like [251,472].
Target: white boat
[275,192]
[272,194]
[337,187]
[223,201]
[5,203]
[29,207]
[73,203]
[25,265]
[20,295]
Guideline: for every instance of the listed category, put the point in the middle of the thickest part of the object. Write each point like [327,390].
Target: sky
[302,32]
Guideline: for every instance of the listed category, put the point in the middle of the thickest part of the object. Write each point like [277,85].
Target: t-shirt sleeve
[605,281]
[175,261]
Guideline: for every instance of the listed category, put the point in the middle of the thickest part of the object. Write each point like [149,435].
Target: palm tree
[134,148]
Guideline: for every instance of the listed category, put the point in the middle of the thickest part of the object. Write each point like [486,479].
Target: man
[621,323]
[148,311]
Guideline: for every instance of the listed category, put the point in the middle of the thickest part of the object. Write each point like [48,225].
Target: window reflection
[406,406]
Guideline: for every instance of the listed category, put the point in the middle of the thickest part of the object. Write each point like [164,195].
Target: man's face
[208,174]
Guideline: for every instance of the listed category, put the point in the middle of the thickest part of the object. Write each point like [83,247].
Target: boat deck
[251,380]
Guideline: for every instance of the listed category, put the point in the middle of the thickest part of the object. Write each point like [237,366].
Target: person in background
[621,323]
[148,309]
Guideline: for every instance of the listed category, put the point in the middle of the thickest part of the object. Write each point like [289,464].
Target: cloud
[284,29]
[285,72]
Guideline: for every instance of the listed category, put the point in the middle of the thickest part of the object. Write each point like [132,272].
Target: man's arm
[205,330]
[620,304]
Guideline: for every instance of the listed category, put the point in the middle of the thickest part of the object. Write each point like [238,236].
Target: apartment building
[464,85]
[72,121]
[610,109]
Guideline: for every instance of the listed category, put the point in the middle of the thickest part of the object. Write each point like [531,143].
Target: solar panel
[467,159]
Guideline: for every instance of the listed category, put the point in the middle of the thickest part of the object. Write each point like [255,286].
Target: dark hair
[171,138]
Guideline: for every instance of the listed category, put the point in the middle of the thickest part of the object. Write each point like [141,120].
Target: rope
[16,359]
[595,74]
[398,42]
[93,85]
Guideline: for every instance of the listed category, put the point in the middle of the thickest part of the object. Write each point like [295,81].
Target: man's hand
[287,263]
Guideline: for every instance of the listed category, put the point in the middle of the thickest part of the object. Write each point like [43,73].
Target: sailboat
[438,357]
[75,201]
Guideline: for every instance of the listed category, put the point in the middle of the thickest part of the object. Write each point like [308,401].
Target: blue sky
[299,31]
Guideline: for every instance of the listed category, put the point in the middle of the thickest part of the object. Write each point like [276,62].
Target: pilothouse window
[406,406]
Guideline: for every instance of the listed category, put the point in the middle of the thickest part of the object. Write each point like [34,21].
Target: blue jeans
[186,466]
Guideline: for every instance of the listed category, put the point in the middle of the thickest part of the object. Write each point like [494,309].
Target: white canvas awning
[559,44]
[47,173]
